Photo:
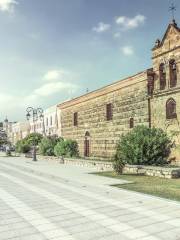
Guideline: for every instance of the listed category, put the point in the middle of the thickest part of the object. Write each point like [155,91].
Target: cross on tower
[172,9]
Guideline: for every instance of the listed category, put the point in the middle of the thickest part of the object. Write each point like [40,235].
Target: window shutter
[75,119]
[109,112]
[131,122]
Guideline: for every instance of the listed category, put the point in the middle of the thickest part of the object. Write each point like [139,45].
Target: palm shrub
[143,146]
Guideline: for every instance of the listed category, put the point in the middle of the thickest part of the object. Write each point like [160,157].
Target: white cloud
[54,75]
[130,23]
[53,88]
[58,80]
[128,50]
[49,89]
[7,5]
[101,27]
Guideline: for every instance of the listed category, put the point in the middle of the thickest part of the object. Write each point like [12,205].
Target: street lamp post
[35,114]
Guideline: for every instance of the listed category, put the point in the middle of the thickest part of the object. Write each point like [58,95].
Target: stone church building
[97,119]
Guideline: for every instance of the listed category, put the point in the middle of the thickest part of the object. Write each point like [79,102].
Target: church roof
[172,24]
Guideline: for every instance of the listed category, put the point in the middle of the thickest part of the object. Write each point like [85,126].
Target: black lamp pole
[35,114]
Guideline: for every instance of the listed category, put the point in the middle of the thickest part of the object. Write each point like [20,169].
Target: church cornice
[166,52]
[124,83]
[166,92]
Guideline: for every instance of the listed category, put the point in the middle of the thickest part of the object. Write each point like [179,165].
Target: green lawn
[166,188]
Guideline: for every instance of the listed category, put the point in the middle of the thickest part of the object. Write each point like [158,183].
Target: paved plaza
[47,200]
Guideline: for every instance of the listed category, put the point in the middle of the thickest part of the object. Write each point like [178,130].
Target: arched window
[173,73]
[131,122]
[87,134]
[162,76]
[171,109]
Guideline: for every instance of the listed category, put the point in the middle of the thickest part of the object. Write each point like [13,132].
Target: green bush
[143,146]
[47,144]
[33,138]
[22,147]
[60,149]
[68,148]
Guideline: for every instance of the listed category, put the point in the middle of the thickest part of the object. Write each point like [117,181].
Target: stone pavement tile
[173,234]
[118,212]
[9,215]
[98,233]
[10,227]
[17,233]
[83,228]
[175,222]
[57,210]
[73,222]
[141,222]
[134,234]
[36,236]
[129,217]
[11,220]
[157,227]
[117,236]
[120,227]
[149,238]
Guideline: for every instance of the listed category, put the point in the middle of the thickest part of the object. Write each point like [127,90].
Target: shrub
[22,147]
[60,149]
[33,139]
[47,144]
[143,146]
[68,148]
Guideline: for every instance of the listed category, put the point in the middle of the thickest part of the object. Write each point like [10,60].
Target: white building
[37,126]
[52,121]
[49,125]
[19,131]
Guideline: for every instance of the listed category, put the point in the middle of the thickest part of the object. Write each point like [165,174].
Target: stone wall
[96,165]
[162,172]
[128,98]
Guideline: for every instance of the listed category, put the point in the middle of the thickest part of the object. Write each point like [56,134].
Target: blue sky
[53,50]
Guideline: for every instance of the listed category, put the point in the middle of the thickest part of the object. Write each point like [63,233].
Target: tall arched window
[173,73]
[171,109]
[162,76]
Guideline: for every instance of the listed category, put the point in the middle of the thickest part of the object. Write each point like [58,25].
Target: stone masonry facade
[97,119]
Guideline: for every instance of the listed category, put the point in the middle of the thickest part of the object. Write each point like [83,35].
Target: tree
[33,139]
